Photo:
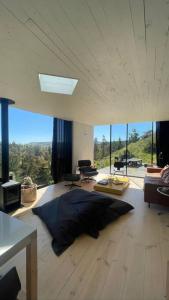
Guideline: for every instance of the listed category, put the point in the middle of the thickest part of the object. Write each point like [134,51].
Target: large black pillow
[110,214]
[72,214]
[120,207]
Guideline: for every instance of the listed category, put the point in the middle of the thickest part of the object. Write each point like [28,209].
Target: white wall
[83,143]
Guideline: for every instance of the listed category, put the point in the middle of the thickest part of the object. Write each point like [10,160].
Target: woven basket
[29,194]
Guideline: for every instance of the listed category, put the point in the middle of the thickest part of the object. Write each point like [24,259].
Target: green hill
[140,149]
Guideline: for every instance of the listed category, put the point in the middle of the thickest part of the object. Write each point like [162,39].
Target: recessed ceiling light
[57,84]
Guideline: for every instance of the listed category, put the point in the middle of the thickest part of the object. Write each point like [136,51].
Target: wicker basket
[28,194]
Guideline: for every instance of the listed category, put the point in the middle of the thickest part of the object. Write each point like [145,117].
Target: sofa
[151,182]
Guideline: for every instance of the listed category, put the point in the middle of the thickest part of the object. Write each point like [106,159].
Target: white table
[14,236]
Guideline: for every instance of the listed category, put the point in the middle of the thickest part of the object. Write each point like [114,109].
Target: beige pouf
[28,194]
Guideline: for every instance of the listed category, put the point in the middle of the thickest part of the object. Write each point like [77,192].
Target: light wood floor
[127,262]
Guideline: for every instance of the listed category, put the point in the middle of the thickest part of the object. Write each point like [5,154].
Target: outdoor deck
[131,171]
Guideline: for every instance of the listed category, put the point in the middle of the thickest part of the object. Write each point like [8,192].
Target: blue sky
[120,130]
[26,127]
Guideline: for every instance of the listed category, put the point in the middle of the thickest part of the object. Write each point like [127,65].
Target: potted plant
[28,190]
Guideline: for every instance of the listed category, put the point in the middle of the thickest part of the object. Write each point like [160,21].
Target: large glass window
[102,148]
[133,145]
[30,142]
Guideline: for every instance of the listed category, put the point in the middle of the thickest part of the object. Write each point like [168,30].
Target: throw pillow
[165,174]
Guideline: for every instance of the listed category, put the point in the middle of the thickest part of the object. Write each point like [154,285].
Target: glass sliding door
[102,148]
[139,148]
[118,146]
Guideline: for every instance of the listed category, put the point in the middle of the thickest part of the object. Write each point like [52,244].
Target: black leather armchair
[86,170]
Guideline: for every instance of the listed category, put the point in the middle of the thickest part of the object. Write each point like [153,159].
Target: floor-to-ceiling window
[30,141]
[133,144]
[102,148]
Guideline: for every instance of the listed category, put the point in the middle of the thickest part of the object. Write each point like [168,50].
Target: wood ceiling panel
[117,49]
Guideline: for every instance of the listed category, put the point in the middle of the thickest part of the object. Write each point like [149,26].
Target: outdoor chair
[118,165]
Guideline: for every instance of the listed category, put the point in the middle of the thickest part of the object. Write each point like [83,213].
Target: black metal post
[5,138]
[110,145]
[5,141]
[152,148]
[126,145]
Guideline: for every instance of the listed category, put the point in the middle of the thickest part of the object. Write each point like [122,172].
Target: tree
[96,149]
[31,160]
[103,146]
[119,144]
[133,136]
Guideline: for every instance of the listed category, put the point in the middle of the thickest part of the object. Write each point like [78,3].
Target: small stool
[72,178]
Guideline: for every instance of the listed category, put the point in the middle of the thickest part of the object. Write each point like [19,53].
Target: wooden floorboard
[127,262]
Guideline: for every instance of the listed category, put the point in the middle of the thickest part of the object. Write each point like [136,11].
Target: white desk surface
[13,232]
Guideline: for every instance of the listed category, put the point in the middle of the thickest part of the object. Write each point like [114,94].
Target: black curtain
[162,143]
[61,149]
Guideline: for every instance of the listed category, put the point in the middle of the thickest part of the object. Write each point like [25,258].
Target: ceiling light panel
[57,84]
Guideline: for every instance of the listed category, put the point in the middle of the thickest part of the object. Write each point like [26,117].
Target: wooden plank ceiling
[118,49]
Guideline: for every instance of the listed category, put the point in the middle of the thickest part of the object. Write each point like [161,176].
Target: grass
[140,149]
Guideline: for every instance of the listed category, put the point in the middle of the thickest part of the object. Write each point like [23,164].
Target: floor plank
[127,262]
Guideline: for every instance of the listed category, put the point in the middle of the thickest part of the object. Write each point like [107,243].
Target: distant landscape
[32,159]
[138,147]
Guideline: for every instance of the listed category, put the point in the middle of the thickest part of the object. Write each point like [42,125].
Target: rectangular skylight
[57,84]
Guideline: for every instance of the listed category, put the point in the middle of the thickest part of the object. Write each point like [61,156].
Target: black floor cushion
[76,212]
[115,210]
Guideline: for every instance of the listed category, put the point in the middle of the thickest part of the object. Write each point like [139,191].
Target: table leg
[167,283]
[31,269]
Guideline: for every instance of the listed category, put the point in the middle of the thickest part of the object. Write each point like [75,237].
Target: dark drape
[162,143]
[61,149]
